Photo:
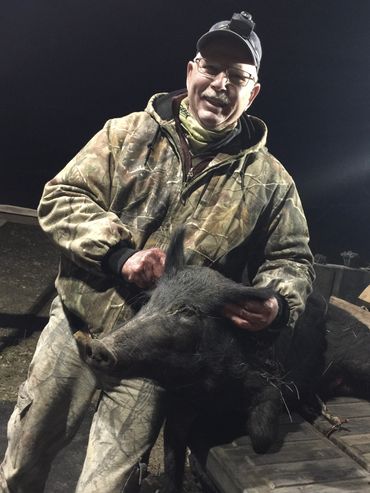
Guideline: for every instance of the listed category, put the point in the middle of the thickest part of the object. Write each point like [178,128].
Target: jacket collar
[253,134]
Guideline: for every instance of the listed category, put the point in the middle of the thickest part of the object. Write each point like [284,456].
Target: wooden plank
[355,446]
[358,312]
[289,431]
[14,209]
[239,476]
[296,433]
[355,426]
[305,450]
[351,486]
[344,400]
[365,295]
[306,472]
[313,460]
[303,461]
[15,214]
[347,409]
[359,442]
[354,437]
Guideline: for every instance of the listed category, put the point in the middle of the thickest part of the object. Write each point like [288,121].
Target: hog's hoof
[263,431]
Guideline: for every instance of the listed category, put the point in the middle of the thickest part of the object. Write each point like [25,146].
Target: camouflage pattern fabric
[128,185]
[50,407]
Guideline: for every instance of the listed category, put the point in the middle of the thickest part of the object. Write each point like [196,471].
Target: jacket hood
[253,134]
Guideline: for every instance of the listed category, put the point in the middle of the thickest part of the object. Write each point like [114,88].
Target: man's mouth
[215,101]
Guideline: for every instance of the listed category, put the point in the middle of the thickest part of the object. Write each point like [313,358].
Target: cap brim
[226,34]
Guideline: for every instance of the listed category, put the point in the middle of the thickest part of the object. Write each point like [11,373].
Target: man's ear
[189,70]
[254,93]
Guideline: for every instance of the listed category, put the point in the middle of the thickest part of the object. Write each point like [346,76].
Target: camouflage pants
[50,407]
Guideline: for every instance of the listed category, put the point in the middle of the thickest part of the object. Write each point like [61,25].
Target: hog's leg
[349,373]
[263,417]
[176,433]
[355,373]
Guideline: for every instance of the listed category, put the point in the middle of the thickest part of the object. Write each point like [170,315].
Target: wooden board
[354,437]
[365,295]
[351,486]
[304,461]
[17,214]
[358,312]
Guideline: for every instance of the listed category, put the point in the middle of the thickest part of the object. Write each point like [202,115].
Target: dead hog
[181,340]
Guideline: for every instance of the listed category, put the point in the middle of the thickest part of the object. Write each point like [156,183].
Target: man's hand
[253,315]
[144,268]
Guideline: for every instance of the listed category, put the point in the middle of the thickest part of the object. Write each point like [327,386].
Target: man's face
[217,103]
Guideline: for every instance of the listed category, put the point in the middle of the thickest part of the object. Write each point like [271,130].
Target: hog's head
[170,324]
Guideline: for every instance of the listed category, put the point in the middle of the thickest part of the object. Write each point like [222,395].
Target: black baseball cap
[240,28]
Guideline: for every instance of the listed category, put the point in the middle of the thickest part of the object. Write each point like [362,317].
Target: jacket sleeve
[285,257]
[75,206]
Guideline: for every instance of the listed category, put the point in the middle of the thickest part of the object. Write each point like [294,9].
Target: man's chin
[210,121]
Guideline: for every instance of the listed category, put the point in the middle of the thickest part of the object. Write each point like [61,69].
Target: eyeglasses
[238,78]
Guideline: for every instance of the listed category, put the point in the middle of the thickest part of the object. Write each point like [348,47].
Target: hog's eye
[186,310]
[189,310]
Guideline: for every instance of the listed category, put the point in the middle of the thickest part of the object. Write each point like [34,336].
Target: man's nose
[220,81]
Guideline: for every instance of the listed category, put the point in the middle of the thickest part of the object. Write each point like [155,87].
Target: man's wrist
[116,257]
[282,316]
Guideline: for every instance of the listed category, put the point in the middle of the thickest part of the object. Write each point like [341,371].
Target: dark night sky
[67,66]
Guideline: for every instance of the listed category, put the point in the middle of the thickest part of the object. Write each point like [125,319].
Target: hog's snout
[99,356]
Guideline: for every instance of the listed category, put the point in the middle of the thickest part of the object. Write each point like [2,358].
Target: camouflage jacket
[128,184]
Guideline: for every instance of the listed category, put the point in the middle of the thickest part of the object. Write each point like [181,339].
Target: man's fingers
[253,315]
[247,324]
[260,307]
[144,267]
[158,264]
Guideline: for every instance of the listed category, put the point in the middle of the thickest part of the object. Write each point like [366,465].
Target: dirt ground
[14,362]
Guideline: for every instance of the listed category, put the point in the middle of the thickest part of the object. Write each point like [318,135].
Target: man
[194,157]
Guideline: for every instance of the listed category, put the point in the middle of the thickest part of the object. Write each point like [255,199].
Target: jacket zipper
[188,181]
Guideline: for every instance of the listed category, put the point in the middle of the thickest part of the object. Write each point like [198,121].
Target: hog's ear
[175,258]
[237,292]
